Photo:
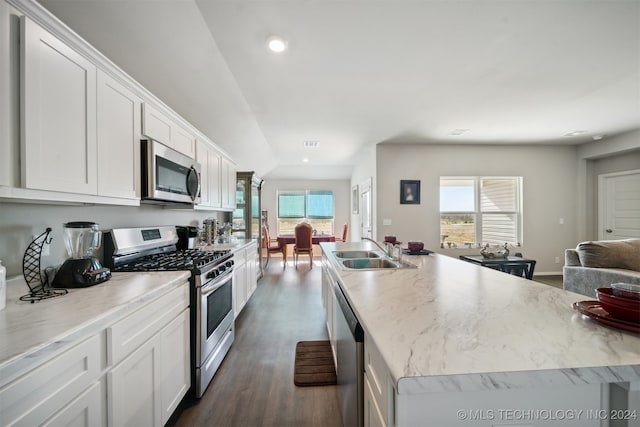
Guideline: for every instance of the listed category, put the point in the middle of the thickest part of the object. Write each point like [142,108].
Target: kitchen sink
[374,263]
[357,254]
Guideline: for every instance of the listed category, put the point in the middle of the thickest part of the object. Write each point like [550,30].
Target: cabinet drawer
[131,332]
[379,378]
[87,410]
[240,257]
[34,397]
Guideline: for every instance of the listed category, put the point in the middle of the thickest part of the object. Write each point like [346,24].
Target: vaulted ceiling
[358,73]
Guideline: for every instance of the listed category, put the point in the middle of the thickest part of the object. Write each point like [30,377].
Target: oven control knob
[212,275]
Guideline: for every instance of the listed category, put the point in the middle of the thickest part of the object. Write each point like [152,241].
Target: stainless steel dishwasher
[349,361]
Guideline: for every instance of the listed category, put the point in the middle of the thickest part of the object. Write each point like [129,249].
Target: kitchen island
[450,343]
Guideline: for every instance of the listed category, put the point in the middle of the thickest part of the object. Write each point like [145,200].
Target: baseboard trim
[548,273]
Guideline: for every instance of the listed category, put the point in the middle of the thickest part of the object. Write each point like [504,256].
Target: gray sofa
[598,264]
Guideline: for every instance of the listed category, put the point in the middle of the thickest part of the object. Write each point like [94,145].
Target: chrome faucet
[388,250]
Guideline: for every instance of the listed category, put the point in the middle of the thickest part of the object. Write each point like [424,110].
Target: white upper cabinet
[158,126]
[58,118]
[118,139]
[209,160]
[229,178]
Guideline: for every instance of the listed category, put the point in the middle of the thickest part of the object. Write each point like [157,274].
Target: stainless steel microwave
[167,175]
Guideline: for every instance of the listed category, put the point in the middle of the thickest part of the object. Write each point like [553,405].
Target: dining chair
[343,237]
[272,245]
[303,243]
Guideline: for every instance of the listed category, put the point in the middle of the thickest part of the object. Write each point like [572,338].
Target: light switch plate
[386,221]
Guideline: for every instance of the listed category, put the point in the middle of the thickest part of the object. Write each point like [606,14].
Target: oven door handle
[207,289]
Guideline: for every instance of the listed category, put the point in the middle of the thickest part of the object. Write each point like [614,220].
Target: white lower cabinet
[83,386]
[63,389]
[378,388]
[85,410]
[239,281]
[175,369]
[372,415]
[132,392]
[146,386]
[244,276]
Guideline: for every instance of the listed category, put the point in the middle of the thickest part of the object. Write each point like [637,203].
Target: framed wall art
[355,199]
[409,192]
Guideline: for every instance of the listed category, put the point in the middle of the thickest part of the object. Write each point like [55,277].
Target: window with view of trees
[315,207]
[479,210]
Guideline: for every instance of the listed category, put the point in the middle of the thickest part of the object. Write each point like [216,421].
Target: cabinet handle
[608,230]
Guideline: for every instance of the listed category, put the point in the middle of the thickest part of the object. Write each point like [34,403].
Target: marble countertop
[33,333]
[450,325]
[233,245]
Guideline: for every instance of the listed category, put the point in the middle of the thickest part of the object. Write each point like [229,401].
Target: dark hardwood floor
[254,385]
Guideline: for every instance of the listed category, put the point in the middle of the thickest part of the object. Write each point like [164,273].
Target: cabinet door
[118,139]
[209,159]
[156,125]
[372,415]
[228,187]
[202,157]
[132,396]
[239,288]
[175,369]
[58,143]
[215,180]
[183,141]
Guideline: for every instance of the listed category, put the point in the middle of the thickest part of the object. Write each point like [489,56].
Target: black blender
[82,269]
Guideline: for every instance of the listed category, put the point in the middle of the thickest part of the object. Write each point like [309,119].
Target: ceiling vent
[311,144]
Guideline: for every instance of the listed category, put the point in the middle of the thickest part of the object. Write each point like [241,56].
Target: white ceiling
[358,73]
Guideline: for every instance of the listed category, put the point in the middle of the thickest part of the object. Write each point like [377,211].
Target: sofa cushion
[610,254]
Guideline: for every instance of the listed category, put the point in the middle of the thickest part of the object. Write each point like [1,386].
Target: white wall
[549,192]
[18,223]
[364,169]
[340,190]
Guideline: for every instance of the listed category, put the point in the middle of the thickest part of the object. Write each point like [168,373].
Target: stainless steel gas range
[212,325]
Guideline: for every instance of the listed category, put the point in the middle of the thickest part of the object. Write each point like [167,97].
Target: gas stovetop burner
[188,259]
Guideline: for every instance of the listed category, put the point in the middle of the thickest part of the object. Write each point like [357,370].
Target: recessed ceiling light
[576,133]
[597,137]
[277,44]
[458,132]
[306,159]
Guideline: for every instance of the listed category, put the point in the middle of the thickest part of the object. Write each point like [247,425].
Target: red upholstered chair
[304,242]
[343,237]
[272,245]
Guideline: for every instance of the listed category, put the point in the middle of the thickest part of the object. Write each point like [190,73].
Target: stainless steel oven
[214,323]
[211,289]
[167,175]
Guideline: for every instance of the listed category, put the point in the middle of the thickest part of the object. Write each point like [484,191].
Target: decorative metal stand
[38,287]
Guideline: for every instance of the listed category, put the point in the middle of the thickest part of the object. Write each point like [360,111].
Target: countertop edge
[518,380]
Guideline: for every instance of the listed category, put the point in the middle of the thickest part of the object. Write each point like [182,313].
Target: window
[314,207]
[479,210]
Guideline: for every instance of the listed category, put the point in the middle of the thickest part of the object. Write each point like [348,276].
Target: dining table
[290,239]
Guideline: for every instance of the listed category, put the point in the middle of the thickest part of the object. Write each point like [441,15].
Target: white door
[619,205]
[365,209]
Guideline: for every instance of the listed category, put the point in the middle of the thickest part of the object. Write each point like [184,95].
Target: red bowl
[390,239]
[620,307]
[626,290]
[415,246]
